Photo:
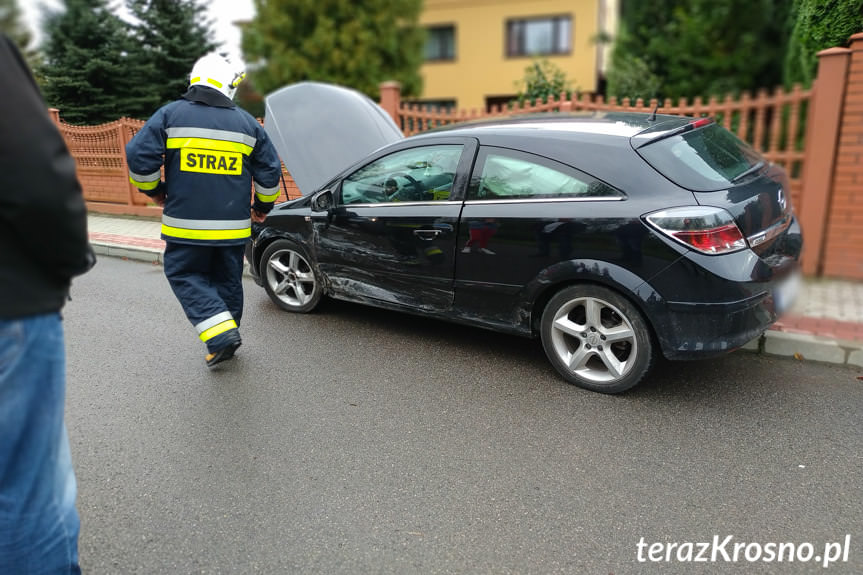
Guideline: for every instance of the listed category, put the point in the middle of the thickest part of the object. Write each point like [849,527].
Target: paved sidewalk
[825,324]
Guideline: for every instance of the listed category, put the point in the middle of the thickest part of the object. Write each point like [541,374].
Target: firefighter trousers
[208,282]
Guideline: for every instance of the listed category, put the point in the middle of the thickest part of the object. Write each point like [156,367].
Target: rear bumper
[710,305]
[689,330]
[705,330]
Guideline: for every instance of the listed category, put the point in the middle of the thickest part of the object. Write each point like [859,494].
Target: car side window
[507,174]
[422,174]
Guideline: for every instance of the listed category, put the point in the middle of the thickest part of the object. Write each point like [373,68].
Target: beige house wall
[481,68]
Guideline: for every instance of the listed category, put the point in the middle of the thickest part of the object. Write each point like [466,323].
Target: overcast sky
[223,12]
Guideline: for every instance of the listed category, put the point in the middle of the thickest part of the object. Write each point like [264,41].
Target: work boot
[224,353]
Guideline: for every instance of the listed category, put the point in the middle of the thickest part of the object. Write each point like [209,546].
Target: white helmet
[217,72]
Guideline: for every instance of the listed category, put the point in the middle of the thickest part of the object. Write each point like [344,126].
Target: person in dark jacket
[43,244]
[212,154]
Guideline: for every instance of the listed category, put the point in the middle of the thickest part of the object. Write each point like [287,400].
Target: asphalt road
[355,440]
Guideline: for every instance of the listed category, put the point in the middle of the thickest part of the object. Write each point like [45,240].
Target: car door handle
[426,234]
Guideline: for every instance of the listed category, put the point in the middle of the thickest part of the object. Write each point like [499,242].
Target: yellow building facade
[477,50]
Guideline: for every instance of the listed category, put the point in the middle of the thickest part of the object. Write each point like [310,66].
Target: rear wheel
[289,278]
[596,339]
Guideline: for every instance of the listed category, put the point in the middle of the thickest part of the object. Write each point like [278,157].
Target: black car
[614,237]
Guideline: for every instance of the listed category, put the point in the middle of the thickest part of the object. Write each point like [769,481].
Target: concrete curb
[141,254]
[808,347]
[778,343]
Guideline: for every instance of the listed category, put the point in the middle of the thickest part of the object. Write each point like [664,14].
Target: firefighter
[213,153]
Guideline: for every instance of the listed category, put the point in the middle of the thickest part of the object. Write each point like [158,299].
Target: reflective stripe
[197,79]
[206,224]
[206,234]
[206,229]
[209,139]
[264,198]
[213,321]
[210,134]
[267,194]
[144,185]
[218,329]
[154,177]
[206,144]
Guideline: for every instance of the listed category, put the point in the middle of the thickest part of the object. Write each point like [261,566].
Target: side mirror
[322,201]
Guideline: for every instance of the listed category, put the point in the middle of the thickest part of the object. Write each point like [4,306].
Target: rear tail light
[704,229]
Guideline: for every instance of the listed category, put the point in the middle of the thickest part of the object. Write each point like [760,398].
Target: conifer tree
[357,44]
[90,71]
[171,35]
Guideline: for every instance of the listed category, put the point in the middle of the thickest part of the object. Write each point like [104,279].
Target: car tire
[289,277]
[596,339]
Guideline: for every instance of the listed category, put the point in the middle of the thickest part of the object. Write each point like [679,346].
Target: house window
[539,36]
[499,103]
[446,105]
[440,43]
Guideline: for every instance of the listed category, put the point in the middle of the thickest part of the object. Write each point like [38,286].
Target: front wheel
[596,339]
[289,278]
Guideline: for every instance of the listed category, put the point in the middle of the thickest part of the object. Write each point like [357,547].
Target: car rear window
[702,160]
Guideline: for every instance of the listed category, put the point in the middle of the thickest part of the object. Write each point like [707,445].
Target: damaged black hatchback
[613,237]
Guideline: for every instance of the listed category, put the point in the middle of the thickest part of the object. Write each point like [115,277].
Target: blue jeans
[38,521]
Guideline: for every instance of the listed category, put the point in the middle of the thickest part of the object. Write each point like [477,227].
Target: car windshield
[703,160]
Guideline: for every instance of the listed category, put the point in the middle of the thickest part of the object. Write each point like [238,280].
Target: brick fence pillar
[55,115]
[823,124]
[843,245]
[391,99]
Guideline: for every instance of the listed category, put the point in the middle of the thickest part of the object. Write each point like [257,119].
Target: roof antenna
[652,117]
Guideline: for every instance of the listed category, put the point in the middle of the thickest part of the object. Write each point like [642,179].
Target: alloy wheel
[290,278]
[594,340]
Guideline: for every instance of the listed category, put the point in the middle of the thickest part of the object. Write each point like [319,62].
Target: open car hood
[321,129]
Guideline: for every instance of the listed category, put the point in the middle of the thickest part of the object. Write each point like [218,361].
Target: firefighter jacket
[212,153]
